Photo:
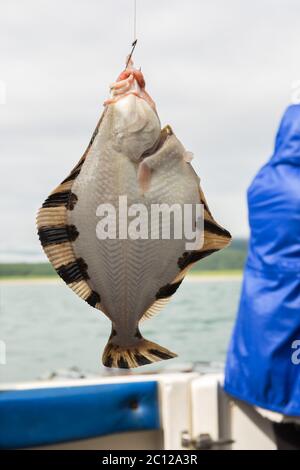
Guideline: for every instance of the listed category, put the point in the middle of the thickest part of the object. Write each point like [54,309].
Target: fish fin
[144,176]
[56,235]
[143,352]
[215,238]
[163,296]
[188,156]
[155,308]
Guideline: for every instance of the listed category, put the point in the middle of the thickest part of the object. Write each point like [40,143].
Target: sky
[221,74]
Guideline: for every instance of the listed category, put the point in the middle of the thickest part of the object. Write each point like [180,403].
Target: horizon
[39,257]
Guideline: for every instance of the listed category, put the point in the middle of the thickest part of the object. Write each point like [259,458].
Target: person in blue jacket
[263,361]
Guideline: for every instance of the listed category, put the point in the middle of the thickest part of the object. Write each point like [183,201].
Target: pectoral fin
[188,156]
[144,176]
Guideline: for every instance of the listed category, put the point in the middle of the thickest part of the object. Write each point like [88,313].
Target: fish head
[135,125]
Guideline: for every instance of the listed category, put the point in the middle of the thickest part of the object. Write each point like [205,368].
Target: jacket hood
[287,144]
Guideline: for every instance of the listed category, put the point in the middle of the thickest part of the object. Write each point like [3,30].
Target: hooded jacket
[263,360]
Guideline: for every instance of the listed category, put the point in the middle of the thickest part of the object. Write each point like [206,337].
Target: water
[46,327]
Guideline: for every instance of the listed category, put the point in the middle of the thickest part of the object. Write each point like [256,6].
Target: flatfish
[115,228]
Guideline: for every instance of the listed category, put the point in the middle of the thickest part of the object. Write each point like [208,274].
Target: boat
[162,411]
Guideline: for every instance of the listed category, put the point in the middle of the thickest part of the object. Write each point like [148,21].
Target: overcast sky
[219,71]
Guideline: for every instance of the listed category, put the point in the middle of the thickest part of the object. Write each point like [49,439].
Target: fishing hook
[132,49]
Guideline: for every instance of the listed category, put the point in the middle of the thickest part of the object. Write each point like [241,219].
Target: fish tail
[142,352]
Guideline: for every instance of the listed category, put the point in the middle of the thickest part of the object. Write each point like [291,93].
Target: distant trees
[231,258]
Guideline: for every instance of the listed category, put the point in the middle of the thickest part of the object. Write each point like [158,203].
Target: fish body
[129,162]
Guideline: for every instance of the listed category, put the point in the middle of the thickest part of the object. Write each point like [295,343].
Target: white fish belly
[127,273]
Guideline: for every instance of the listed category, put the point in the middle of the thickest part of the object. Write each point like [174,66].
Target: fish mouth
[130,82]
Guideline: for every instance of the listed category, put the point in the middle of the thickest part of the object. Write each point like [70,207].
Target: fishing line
[134,20]
[134,33]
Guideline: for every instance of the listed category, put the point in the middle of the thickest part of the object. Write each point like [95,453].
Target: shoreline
[205,276]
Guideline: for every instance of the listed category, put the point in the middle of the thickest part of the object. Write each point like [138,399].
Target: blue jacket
[263,361]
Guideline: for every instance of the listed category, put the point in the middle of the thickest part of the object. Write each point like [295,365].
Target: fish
[130,158]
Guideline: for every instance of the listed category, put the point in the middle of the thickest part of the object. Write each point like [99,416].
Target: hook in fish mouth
[130,82]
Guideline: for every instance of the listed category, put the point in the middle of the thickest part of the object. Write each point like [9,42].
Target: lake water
[47,328]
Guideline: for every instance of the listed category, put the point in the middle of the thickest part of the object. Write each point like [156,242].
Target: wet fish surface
[128,278]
